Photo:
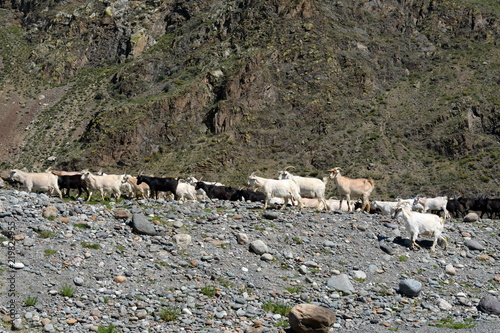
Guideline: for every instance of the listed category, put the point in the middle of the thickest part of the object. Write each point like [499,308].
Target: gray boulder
[410,287]
[341,283]
[258,247]
[489,304]
[141,225]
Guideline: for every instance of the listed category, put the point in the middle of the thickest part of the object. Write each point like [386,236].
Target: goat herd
[287,189]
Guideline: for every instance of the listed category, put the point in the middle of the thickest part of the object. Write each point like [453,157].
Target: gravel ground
[84,268]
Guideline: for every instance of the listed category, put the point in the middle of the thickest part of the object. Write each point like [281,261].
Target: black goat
[69,182]
[248,195]
[489,206]
[157,184]
[216,192]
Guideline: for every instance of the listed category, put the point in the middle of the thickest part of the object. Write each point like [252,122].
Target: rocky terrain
[161,266]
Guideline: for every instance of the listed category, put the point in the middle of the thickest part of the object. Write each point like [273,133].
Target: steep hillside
[405,92]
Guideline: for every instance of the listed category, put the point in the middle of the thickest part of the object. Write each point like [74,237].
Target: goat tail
[325,180]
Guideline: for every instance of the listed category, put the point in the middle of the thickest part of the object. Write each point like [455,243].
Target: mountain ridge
[404,92]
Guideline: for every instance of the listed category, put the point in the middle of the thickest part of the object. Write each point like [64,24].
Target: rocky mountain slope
[405,92]
[157,266]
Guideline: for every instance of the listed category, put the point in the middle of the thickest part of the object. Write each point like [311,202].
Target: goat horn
[288,167]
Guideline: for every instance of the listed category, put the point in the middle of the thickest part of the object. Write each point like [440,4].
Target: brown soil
[17,114]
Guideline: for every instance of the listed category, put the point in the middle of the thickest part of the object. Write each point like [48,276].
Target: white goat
[312,203]
[37,181]
[331,204]
[385,207]
[437,203]
[103,184]
[309,187]
[422,224]
[334,204]
[356,187]
[185,191]
[281,188]
[388,207]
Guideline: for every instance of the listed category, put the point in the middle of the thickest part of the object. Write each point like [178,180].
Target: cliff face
[405,92]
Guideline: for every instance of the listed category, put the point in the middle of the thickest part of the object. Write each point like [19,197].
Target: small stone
[450,269]
[49,211]
[387,249]
[78,281]
[341,283]
[471,217]
[242,239]
[473,245]
[120,279]
[266,257]
[444,305]
[71,321]
[177,224]
[258,247]
[270,215]
[122,214]
[303,269]
[359,275]
[484,257]
[17,324]
[16,265]
[19,237]
[142,314]
[49,328]
[182,239]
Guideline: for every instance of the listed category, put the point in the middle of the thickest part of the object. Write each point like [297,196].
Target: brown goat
[360,187]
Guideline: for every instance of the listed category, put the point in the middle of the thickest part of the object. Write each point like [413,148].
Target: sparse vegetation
[293,289]
[277,308]
[209,290]
[46,234]
[90,246]
[30,300]
[68,290]
[451,323]
[169,313]
[107,329]
[49,252]
[81,225]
